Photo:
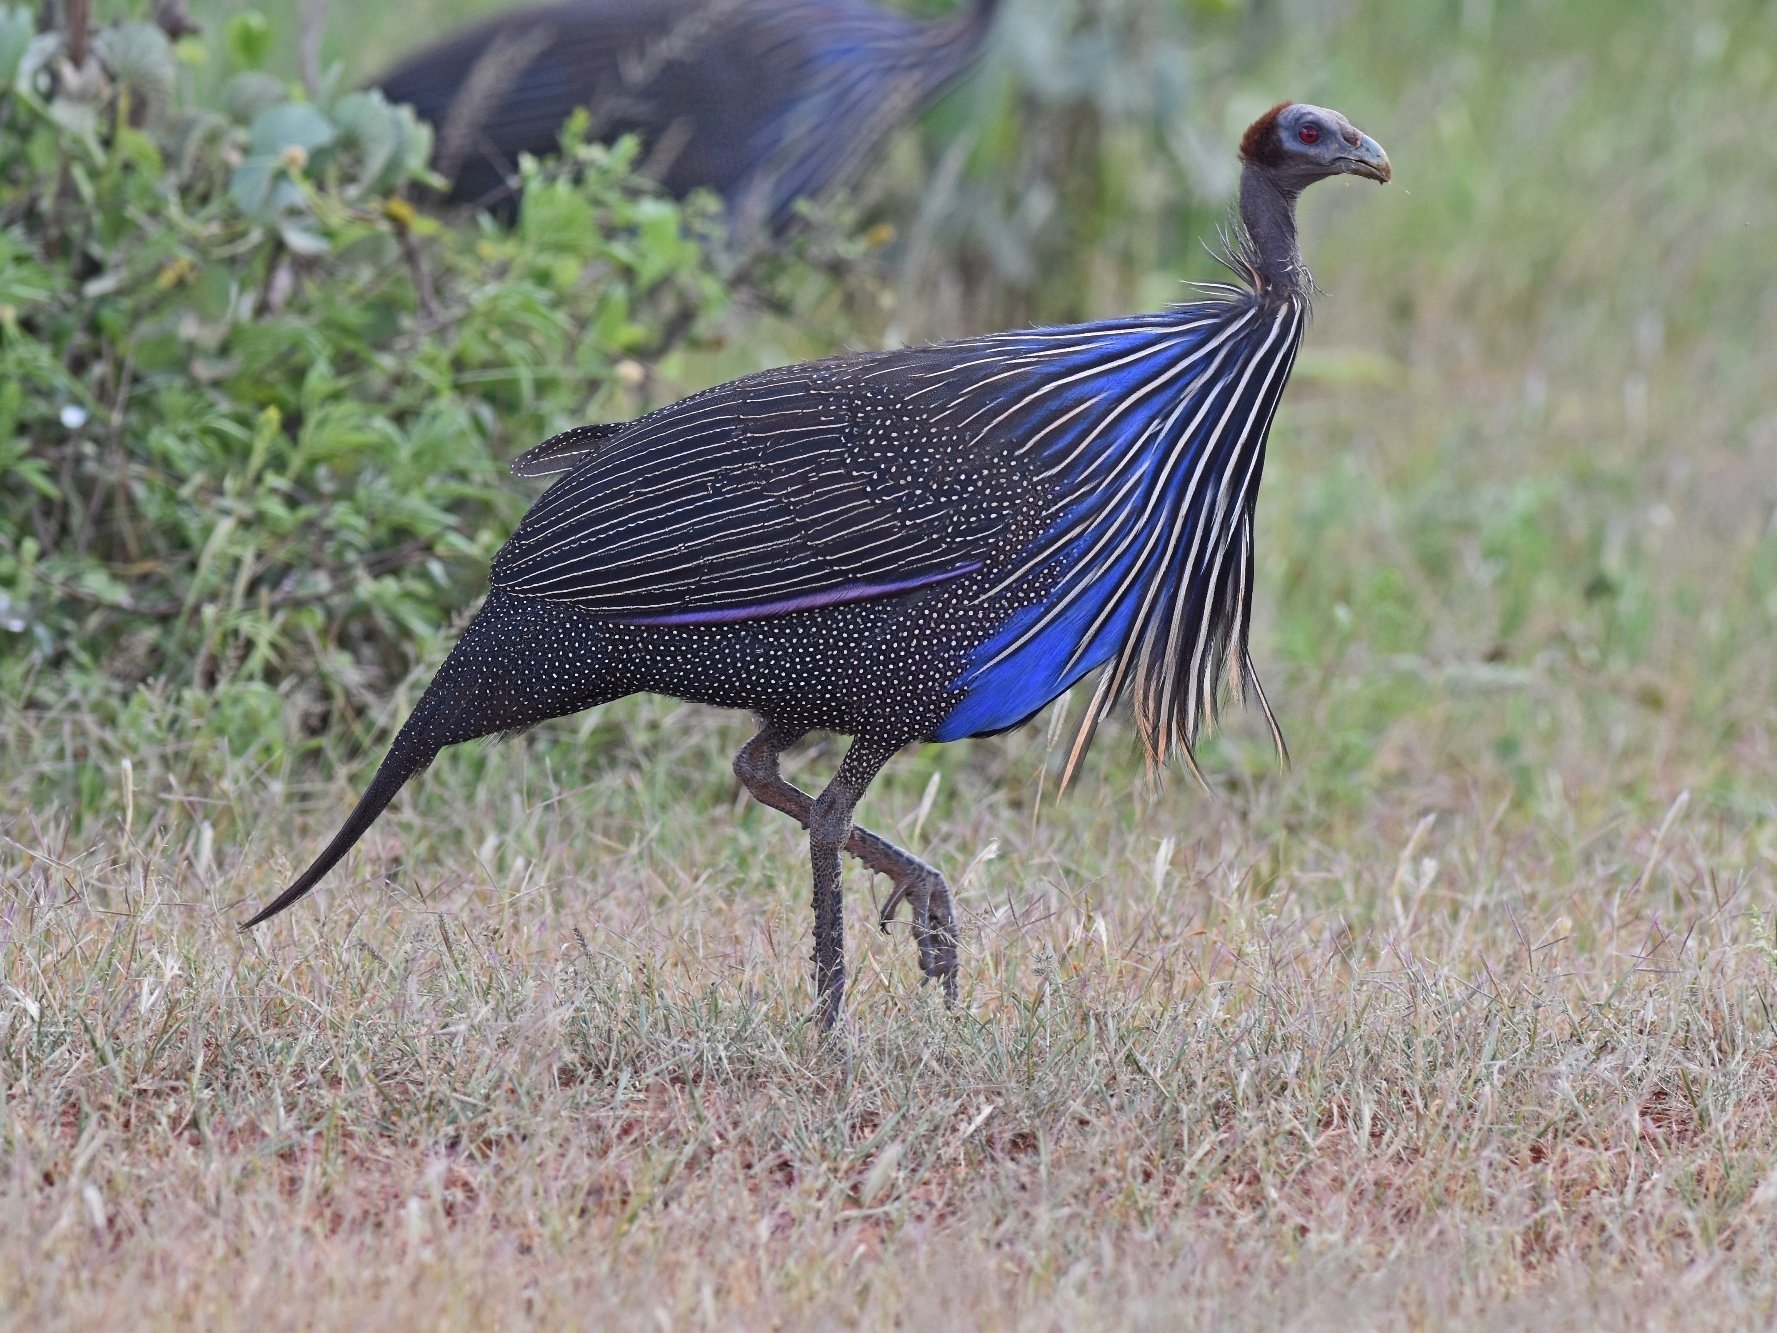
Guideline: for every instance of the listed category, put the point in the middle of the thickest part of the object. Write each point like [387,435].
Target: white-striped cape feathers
[1181,526]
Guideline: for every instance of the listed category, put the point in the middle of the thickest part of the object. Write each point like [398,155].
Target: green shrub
[254,407]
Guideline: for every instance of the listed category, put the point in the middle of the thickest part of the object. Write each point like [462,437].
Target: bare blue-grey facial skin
[1299,143]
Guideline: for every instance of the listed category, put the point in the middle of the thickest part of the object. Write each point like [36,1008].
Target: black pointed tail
[397,767]
[508,671]
[415,747]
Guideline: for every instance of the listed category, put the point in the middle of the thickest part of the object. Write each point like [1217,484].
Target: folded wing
[797,488]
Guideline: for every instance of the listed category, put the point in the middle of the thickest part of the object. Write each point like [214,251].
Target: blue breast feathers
[1152,434]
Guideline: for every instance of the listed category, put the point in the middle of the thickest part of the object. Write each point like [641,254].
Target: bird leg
[927,893]
[829,828]
[915,882]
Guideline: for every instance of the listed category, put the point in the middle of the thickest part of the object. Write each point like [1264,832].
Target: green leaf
[140,57]
[137,149]
[246,95]
[292,125]
[369,128]
[249,185]
[303,239]
[248,38]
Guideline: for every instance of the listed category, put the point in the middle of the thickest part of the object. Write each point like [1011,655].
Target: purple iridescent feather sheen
[851,592]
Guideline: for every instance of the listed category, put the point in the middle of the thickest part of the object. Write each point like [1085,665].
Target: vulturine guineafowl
[927,544]
[763,101]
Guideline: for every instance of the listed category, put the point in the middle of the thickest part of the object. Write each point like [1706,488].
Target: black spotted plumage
[925,544]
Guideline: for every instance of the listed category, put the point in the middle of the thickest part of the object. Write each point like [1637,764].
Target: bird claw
[934,925]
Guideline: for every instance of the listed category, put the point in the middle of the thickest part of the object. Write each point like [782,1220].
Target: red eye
[1308,133]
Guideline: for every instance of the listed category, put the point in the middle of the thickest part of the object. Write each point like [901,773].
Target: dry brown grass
[1495,1060]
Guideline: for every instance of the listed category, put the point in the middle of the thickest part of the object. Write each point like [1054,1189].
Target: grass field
[1465,1019]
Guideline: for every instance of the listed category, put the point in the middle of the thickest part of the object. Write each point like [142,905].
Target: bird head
[1297,144]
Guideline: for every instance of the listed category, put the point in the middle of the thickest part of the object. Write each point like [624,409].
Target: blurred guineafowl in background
[917,545]
[763,101]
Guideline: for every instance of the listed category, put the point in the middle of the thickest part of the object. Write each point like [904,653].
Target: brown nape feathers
[1259,144]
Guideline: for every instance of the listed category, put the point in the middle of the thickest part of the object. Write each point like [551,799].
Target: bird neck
[951,45]
[1268,215]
